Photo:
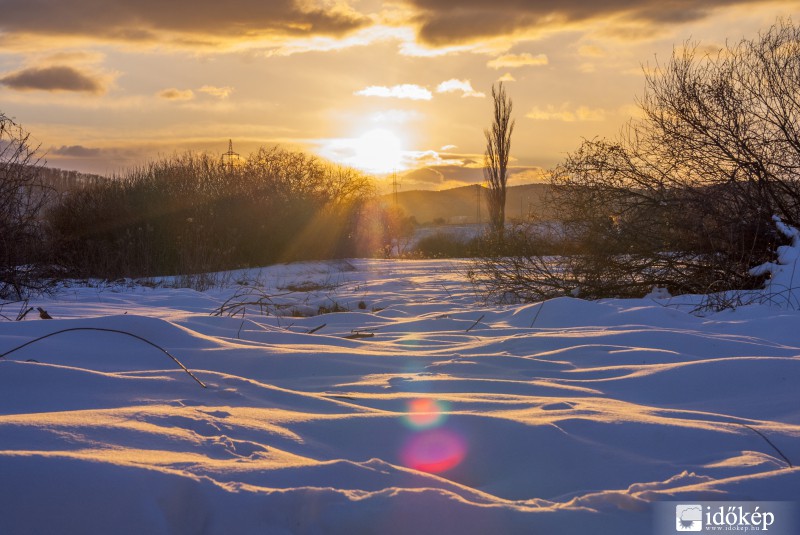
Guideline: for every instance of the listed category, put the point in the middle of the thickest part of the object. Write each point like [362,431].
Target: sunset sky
[106,84]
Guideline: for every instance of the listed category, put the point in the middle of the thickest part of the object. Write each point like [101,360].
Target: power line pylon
[395,187]
[230,156]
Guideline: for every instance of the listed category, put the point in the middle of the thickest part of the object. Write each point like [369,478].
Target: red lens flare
[434,451]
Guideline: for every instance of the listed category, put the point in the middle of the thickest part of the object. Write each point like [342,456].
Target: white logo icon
[689,518]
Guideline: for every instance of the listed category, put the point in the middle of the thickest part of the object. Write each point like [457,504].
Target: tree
[495,160]
[684,197]
[22,197]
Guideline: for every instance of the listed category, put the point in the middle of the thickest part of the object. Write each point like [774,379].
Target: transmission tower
[395,187]
[230,156]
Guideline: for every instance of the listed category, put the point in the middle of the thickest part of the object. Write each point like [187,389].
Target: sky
[388,87]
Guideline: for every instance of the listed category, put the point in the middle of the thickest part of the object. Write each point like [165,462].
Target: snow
[781,289]
[565,416]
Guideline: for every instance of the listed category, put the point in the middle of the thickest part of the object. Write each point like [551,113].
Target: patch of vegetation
[196,214]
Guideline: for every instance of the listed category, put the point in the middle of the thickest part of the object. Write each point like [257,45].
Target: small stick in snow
[358,334]
[315,329]
[541,306]
[339,396]
[446,290]
[785,458]
[474,324]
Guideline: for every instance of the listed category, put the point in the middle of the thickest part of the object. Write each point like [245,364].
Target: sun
[377,151]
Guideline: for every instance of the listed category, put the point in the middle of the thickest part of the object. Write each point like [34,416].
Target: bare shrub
[22,196]
[683,198]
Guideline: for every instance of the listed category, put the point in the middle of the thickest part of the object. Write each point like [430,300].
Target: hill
[460,205]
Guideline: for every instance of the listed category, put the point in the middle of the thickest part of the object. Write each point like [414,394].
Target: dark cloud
[148,20]
[204,23]
[53,79]
[76,151]
[449,21]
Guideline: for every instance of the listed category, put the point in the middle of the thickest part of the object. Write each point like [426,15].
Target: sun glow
[378,151]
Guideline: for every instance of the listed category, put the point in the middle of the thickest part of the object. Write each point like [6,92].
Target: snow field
[558,417]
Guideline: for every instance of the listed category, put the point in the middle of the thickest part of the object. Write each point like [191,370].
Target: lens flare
[424,413]
[434,451]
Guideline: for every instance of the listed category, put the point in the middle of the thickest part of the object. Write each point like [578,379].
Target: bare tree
[684,197]
[495,160]
[22,197]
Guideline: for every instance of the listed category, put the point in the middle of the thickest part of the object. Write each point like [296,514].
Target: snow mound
[782,287]
[444,415]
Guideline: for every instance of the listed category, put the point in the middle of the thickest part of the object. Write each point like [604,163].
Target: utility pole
[394,187]
[478,203]
[230,156]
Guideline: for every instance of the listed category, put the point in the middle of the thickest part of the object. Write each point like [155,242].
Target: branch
[2,356]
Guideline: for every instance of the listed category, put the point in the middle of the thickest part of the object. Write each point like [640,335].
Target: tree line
[185,214]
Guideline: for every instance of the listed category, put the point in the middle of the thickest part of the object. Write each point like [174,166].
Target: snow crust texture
[454,417]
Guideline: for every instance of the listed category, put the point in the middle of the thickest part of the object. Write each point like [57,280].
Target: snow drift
[454,417]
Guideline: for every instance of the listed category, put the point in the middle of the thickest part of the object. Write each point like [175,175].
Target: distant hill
[460,205]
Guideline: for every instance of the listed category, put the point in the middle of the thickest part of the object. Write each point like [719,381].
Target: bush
[193,213]
[443,245]
[22,196]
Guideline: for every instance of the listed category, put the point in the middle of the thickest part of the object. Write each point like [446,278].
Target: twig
[770,443]
[338,396]
[446,290]
[22,310]
[539,311]
[358,334]
[99,329]
[474,324]
[315,329]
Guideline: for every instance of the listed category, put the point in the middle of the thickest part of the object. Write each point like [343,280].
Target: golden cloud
[214,91]
[511,61]
[402,91]
[176,94]
[463,86]
[566,114]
